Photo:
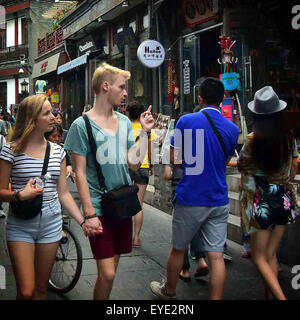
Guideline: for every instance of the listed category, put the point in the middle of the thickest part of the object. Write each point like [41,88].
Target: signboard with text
[197,11]
[151,53]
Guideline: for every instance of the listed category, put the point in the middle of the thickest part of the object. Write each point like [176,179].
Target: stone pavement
[137,269]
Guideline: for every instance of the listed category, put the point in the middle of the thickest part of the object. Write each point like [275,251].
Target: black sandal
[201,273]
[184,279]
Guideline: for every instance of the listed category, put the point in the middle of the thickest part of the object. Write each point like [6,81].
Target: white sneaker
[2,214]
[159,289]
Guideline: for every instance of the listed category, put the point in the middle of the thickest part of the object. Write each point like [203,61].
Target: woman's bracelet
[16,196]
[90,217]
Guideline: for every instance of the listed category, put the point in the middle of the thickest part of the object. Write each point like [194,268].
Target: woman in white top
[33,243]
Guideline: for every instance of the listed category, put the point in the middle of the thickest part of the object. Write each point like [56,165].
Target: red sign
[44,66]
[197,11]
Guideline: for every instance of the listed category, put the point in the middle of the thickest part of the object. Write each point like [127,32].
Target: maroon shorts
[116,239]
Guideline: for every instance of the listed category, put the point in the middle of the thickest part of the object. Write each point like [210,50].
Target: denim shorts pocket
[54,208]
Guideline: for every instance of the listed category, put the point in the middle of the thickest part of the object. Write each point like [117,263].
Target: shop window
[146,21]
[2,39]
[24,32]
[133,26]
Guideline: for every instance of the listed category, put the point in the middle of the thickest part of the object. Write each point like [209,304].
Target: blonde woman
[33,243]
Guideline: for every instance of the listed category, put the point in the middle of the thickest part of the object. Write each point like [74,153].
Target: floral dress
[265,200]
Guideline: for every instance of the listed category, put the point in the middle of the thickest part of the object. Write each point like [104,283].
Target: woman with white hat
[267,162]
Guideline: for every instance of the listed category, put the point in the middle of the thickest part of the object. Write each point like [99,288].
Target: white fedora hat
[266,101]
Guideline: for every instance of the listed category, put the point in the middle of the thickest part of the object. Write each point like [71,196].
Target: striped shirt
[25,167]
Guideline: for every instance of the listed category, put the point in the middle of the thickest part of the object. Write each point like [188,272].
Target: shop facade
[45,80]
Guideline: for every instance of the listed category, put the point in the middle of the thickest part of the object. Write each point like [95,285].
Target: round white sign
[151,53]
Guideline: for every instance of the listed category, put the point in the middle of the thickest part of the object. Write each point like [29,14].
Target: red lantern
[170,82]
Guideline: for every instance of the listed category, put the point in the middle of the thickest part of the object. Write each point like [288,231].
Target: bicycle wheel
[68,263]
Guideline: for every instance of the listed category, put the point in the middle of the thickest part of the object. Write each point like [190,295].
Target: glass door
[200,54]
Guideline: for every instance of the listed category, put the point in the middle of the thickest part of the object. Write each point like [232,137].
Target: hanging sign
[186,77]
[151,53]
[198,11]
[170,82]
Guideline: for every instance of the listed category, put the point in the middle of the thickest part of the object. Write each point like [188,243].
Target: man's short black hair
[135,109]
[211,91]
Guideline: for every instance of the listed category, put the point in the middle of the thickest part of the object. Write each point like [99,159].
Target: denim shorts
[210,223]
[140,176]
[46,227]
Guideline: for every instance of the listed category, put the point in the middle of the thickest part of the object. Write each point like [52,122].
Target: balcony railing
[51,41]
[13,53]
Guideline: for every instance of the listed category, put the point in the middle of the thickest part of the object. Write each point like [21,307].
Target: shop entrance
[200,54]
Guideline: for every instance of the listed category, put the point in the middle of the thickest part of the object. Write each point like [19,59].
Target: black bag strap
[46,159]
[94,151]
[216,131]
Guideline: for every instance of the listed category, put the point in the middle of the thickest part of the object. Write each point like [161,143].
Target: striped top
[25,167]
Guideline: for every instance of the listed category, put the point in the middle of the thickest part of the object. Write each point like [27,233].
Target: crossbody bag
[28,209]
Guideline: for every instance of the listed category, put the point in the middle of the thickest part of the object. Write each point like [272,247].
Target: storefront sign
[151,53]
[44,67]
[186,77]
[86,46]
[72,64]
[197,11]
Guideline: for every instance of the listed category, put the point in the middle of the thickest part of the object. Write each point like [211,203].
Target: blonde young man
[116,152]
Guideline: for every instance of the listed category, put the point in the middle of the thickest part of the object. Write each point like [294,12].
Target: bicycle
[68,261]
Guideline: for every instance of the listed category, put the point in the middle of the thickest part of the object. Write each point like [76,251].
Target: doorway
[200,54]
[3,95]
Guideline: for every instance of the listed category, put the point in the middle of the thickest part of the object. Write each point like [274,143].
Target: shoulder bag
[28,209]
[117,204]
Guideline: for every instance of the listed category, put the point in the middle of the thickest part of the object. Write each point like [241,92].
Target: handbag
[295,193]
[28,209]
[117,204]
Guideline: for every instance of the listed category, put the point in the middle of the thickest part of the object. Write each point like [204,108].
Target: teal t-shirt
[111,154]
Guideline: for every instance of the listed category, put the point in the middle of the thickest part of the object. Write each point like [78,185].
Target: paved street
[137,269]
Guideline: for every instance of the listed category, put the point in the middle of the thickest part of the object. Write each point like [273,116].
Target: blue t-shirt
[203,181]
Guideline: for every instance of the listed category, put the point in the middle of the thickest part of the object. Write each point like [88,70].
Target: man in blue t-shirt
[201,203]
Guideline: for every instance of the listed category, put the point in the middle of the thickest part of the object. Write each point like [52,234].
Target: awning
[72,64]
[45,66]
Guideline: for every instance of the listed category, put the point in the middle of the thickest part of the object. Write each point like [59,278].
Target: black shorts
[141,176]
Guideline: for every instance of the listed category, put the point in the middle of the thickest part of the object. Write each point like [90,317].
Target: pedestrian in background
[2,143]
[59,120]
[267,162]
[33,243]
[55,136]
[140,177]
[174,173]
